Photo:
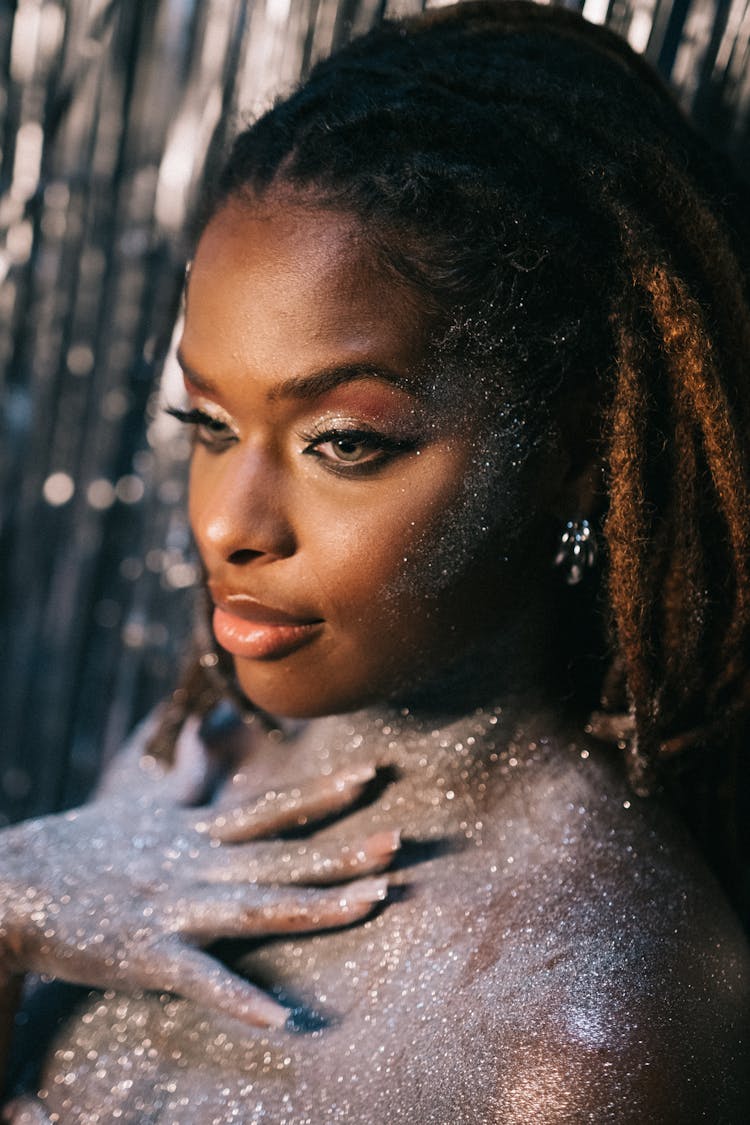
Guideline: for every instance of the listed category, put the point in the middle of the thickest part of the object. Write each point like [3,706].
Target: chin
[311,685]
[287,696]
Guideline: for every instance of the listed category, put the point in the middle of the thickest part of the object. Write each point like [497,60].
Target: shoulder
[619,978]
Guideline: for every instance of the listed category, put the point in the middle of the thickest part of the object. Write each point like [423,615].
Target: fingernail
[275,1014]
[366,890]
[383,843]
[356,776]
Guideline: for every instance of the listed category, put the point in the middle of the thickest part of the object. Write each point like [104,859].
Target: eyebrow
[314,385]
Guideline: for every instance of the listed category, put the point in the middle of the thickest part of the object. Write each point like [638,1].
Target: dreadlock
[528,173]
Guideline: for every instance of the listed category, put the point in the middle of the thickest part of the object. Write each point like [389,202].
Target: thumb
[191,776]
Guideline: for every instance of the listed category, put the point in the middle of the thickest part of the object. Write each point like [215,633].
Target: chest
[375,1013]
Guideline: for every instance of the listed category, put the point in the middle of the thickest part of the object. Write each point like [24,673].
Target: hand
[122,893]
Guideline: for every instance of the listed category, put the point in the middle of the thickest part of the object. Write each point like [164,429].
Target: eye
[209,431]
[356,448]
[349,447]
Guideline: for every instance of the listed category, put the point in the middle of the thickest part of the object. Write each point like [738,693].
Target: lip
[248,628]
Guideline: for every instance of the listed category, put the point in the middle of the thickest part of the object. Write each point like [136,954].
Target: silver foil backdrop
[111,113]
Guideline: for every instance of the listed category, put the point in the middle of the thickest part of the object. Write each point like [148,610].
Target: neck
[434,746]
[485,708]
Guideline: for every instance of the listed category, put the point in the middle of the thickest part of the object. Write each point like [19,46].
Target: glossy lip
[248,628]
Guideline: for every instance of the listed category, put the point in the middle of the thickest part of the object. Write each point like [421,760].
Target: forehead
[288,288]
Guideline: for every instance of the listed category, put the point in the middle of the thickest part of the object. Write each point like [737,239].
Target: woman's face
[341,494]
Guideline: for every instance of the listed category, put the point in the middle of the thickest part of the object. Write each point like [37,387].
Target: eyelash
[385,447]
[220,435]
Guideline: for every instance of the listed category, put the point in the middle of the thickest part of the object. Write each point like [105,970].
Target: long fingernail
[275,1014]
[382,844]
[357,776]
[366,890]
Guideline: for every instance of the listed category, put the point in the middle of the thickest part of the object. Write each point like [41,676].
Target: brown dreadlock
[527,171]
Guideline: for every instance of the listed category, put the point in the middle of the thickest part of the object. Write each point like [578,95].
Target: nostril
[243,556]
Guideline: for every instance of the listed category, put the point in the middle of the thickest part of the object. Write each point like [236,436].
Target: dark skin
[294,342]
[597,976]
[558,951]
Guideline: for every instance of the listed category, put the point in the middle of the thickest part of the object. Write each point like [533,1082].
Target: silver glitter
[506,978]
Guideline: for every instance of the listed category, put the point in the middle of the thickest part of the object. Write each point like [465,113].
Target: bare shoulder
[613,969]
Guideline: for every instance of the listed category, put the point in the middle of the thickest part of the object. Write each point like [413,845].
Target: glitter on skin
[557,957]
[550,950]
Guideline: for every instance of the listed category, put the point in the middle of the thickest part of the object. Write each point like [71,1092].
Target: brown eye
[349,449]
[363,450]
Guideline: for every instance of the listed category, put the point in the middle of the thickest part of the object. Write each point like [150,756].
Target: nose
[237,510]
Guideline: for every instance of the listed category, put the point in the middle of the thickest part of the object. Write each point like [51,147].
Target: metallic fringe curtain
[111,114]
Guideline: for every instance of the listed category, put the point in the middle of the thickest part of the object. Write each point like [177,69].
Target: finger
[239,787]
[300,861]
[130,765]
[258,912]
[25,1111]
[182,781]
[192,771]
[278,810]
[197,976]
[247,740]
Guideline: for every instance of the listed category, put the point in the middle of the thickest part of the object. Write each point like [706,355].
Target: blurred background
[112,112]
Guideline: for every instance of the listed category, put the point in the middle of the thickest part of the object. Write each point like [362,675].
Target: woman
[467,305]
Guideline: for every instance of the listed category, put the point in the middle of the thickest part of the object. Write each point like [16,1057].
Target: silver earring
[577,550]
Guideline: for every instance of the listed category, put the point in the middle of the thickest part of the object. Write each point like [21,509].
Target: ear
[580,495]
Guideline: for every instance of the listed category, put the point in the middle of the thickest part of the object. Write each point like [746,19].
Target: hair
[534,181]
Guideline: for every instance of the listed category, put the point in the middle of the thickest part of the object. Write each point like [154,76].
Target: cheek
[438,542]
[199,494]
[194,505]
[387,558]
[199,513]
